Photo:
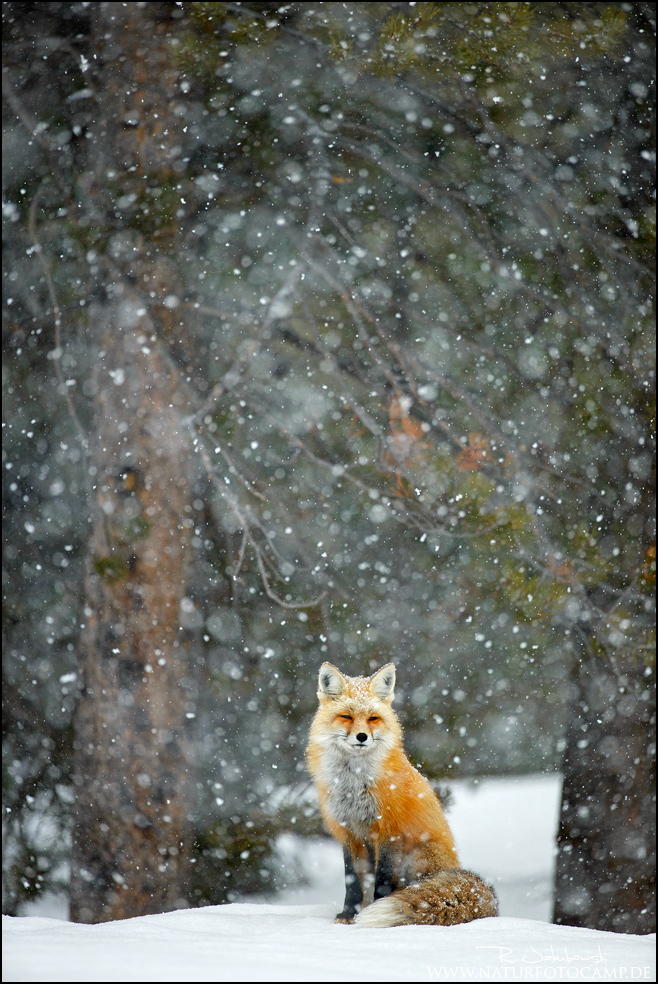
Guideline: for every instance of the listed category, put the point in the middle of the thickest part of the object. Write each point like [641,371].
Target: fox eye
[345,717]
[373,718]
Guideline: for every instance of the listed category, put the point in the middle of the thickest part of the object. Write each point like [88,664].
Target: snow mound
[251,942]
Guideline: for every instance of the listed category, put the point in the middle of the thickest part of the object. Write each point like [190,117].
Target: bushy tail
[443,899]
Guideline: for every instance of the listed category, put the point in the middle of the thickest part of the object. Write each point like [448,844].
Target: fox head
[355,714]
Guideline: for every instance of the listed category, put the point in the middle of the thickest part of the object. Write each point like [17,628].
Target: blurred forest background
[327,334]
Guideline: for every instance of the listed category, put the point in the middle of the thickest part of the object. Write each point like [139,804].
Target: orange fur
[396,841]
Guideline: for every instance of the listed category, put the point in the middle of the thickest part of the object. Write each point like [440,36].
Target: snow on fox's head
[332,684]
[355,712]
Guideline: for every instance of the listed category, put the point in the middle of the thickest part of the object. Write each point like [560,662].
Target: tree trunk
[130,836]
[606,845]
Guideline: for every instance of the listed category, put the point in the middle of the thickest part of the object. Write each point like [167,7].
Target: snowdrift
[251,942]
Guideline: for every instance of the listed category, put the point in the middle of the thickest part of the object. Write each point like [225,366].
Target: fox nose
[362,737]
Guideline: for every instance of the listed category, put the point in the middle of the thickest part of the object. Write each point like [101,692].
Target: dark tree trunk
[130,837]
[606,840]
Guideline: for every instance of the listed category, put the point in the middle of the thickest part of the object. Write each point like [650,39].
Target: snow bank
[250,942]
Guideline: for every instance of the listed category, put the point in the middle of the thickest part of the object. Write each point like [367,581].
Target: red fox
[401,864]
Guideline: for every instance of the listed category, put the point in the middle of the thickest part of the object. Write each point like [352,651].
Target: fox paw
[345,917]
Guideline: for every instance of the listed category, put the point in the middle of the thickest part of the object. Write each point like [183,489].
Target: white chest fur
[348,780]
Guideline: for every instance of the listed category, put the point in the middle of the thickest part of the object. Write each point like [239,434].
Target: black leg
[385,881]
[353,890]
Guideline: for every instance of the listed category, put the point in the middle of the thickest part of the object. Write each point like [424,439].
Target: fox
[401,863]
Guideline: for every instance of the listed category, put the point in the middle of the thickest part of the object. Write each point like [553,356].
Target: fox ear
[382,683]
[331,682]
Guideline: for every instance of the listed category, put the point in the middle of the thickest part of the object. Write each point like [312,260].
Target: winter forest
[328,335]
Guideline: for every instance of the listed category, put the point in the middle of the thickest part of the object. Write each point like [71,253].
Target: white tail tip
[382,913]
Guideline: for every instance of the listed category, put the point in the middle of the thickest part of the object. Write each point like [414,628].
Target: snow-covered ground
[248,942]
[505,830]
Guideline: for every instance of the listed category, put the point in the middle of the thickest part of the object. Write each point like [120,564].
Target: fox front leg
[385,876]
[353,890]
